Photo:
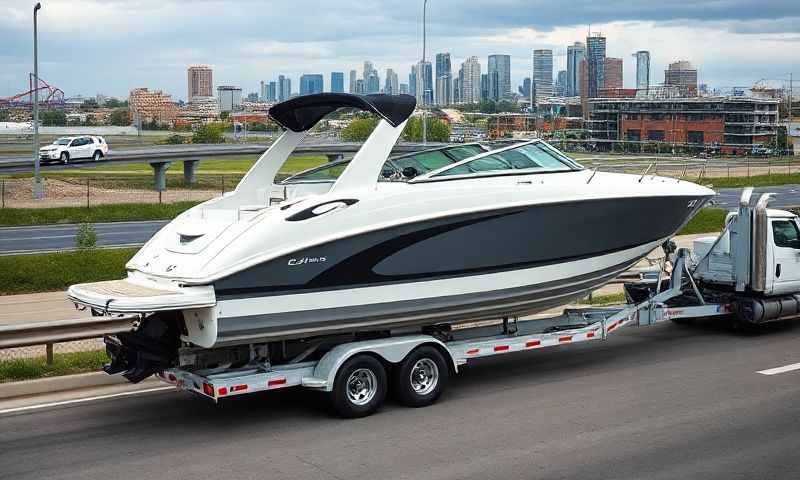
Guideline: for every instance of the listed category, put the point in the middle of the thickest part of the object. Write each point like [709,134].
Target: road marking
[84,400]
[777,370]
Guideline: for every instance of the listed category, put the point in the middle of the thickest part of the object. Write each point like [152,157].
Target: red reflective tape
[276,382]
[223,391]
[566,338]
[612,327]
[590,335]
[533,343]
[473,351]
[238,388]
[501,348]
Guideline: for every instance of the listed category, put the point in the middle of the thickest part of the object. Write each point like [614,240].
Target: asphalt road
[59,237]
[658,402]
[787,196]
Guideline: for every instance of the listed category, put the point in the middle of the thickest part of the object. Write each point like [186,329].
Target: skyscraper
[284,88]
[311,83]
[412,81]
[262,92]
[682,74]
[595,62]
[337,82]
[367,71]
[444,79]
[499,70]
[525,88]
[392,86]
[470,80]
[642,69]
[542,74]
[575,53]
[424,78]
[612,69]
[486,86]
[229,97]
[200,82]
[272,92]
[353,77]
[372,82]
[560,89]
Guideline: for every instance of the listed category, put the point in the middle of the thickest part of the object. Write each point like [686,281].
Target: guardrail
[49,333]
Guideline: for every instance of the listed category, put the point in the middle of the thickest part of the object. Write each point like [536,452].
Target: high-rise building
[642,69]
[424,88]
[200,82]
[525,88]
[337,82]
[230,98]
[284,88]
[252,97]
[470,80]
[560,89]
[361,87]
[372,82]
[499,70]
[682,74]
[412,81]
[612,68]
[272,92]
[595,62]
[444,79]
[392,86]
[262,90]
[353,77]
[311,83]
[542,74]
[486,86]
[403,89]
[575,53]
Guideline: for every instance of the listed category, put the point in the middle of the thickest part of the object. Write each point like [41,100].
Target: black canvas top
[301,113]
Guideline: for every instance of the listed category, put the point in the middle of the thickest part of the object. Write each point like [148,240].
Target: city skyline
[144,56]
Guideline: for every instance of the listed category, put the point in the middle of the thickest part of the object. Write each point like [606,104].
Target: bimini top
[301,113]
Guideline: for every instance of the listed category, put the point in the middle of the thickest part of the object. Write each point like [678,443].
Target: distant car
[65,149]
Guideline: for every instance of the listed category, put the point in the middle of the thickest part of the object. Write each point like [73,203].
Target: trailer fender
[392,350]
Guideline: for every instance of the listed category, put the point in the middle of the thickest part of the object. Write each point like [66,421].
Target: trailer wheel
[421,378]
[359,388]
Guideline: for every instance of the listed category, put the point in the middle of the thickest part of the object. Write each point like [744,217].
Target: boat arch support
[392,350]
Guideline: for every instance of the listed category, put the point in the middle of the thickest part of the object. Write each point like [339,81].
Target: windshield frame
[569,164]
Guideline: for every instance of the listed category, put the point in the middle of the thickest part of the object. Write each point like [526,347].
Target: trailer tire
[421,377]
[360,387]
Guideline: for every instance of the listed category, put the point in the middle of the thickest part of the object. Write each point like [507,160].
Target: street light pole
[37,180]
[422,65]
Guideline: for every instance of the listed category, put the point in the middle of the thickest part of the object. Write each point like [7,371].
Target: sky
[111,46]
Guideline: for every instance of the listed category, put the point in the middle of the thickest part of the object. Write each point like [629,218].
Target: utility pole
[37,180]
[424,40]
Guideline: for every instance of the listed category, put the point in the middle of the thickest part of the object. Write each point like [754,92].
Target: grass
[707,220]
[47,272]
[100,213]
[754,181]
[63,364]
[610,299]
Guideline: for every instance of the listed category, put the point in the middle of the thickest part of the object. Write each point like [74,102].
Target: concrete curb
[60,384]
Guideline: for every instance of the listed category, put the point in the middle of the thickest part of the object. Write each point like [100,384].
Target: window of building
[694,137]
[633,135]
[656,135]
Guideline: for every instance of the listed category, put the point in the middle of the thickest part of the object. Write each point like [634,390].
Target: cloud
[121,44]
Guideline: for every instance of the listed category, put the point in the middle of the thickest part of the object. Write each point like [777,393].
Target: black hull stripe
[481,306]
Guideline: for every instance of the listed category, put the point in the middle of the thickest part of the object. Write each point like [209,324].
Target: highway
[661,402]
[786,196]
[38,238]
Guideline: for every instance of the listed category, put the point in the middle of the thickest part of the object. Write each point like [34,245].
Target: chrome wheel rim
[362,385]
[424,376]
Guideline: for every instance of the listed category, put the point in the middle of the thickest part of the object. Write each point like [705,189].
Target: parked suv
[65,149]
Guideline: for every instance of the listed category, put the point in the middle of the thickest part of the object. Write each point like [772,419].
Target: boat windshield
[536,157]
[398,168]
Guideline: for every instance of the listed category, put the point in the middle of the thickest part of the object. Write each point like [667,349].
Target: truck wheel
[359,388]
[421,378]
[64,158]
[97,155]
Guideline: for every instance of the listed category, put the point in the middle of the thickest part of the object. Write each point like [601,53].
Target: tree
[120,117]
[4,115]
[114,103]
[359,129]
[224,115]
[213,132]
[438,131]
[53,118]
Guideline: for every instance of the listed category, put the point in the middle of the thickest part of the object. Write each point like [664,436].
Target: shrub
[86,237]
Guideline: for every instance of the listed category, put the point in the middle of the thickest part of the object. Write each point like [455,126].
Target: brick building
[155,106]
[732,123]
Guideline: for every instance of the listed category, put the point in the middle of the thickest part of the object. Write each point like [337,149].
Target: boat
[380,245]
